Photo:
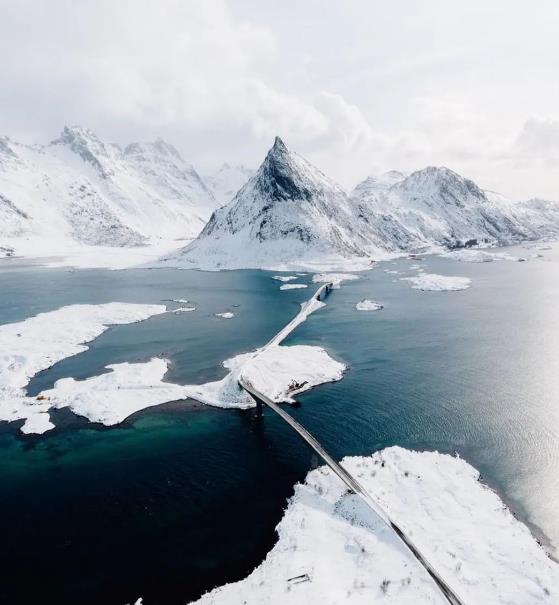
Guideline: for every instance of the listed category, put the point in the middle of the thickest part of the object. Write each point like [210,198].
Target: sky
[356,86]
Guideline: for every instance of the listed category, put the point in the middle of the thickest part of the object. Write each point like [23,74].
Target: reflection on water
[183,497]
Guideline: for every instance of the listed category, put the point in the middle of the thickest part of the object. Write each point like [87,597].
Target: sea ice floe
[285,278]
[368,305]
[183,309]
[292,286]
[225,315]
[437,283]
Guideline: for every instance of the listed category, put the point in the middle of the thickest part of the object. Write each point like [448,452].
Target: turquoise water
[183,497]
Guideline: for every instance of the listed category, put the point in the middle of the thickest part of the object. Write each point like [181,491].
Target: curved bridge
[351,483]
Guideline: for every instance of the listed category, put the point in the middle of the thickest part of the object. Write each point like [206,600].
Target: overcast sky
[357,86]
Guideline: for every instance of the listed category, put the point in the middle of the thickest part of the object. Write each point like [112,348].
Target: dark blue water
[183,497]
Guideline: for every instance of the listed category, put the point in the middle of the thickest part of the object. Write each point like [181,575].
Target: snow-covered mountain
[438,207]
[225,183]
[81,189]
[288,213]
[291,215]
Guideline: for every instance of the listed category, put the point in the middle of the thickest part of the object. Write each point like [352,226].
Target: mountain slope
[225,183]
[79,189]
[438,207]
[287,214]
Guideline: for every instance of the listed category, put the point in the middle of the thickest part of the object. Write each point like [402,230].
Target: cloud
[367,91]
[538,140]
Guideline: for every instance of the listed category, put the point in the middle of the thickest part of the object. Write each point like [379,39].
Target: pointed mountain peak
[159,147]
[279,146]
[285,175]
[72,134]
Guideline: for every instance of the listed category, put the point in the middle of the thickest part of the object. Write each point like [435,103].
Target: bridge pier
[258,407]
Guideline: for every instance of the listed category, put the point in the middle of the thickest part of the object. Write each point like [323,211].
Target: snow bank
[368,305]
[62,253]
[292,286]
[334,278]
[332,549]
[438,283]
[285,278]
[35,344]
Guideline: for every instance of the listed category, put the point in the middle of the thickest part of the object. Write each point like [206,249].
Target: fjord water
[183,497]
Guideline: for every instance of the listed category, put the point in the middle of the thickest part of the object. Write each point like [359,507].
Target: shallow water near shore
[183,497]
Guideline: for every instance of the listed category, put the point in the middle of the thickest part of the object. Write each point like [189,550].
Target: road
[351,483]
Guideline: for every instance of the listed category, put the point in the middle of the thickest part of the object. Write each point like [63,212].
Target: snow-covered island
[37,343]
[333,549]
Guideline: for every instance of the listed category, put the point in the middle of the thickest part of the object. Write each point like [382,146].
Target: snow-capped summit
[436,206]
[79,189]
[288,213]
[372,185]
[225,183]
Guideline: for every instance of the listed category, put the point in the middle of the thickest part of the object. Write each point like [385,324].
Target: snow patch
[335,278]
[285,278]
[368,305]
[438,283]
[480,256]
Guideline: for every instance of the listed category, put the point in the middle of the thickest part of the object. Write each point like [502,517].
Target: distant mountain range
[81,190]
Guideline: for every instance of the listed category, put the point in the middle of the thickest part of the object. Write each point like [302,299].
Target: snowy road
[352,484]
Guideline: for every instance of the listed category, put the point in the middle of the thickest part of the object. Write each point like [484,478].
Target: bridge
[350,482]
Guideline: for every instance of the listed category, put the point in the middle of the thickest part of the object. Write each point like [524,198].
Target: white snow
[39,342]
[183,309]
[35,344]
[285,278]
[288,216]
[292,286]
[332,549]
[480,256]
[335,278]
[368,305]
[78,193]
[437,283]
[110,398]
[225,315]
[281,372]
[225,183]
